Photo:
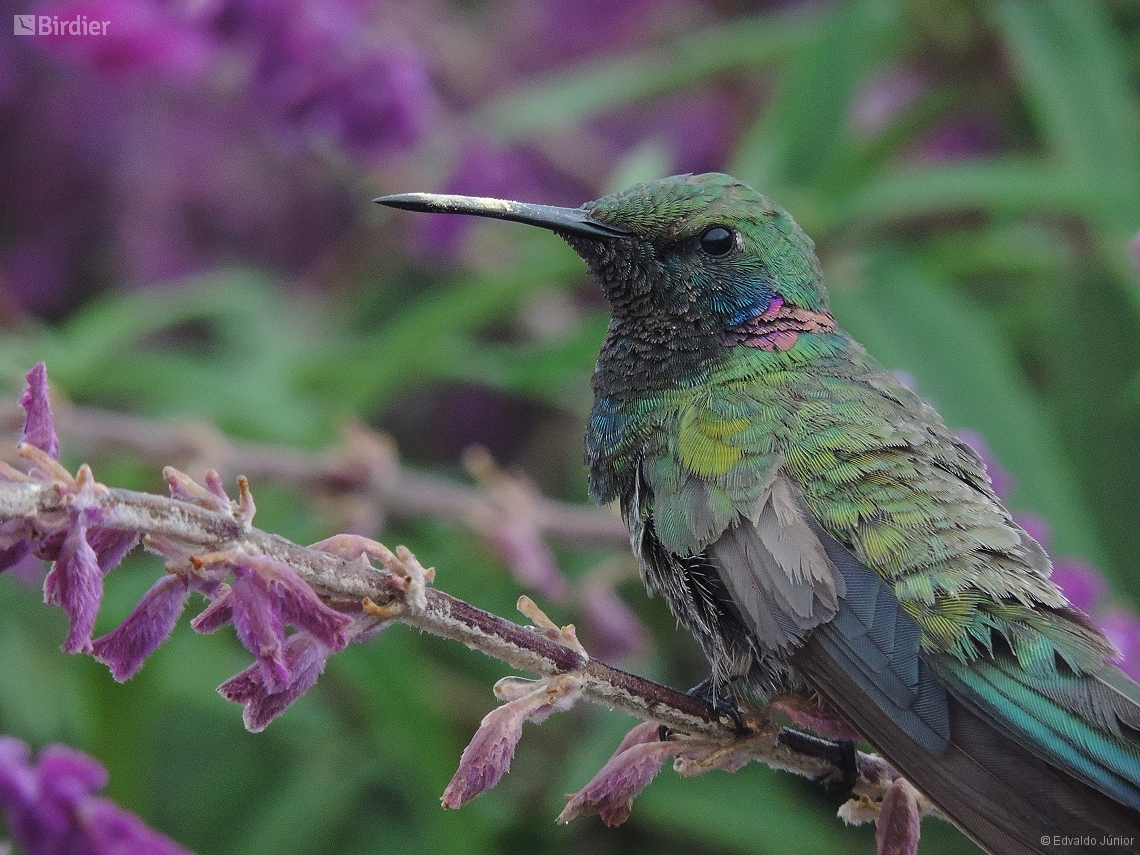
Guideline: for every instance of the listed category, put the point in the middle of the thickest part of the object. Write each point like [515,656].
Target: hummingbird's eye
[717,241]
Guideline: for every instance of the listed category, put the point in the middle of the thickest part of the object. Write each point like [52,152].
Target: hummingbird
[819,530]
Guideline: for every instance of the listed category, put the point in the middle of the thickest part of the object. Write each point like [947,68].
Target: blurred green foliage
[1002,284]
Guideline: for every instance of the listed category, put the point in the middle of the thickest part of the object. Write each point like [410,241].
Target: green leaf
[1074,75]
[224,348]
[800,137]
[427,338]
[708,810]
[551,372]
[999,187]
[598,87]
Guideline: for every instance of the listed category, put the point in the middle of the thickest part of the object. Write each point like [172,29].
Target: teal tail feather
[1085,724]
[1019,760]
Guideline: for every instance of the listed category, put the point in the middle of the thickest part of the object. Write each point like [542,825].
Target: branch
[391,594]
[363,464]
[347,588]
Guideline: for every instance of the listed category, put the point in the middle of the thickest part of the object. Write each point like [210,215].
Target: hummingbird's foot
[710,692]
[848,767]
[840,754]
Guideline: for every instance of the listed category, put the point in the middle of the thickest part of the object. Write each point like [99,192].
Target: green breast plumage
[874,463]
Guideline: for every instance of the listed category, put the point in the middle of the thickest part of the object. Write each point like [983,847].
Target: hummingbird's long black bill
[573,221]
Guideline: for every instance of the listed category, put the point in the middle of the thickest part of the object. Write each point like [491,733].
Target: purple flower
[39,432]
[488,756]
[15,542]
[897,829]
[973,135]
[264,597]
[303,658]
[1134,252]
[382,103]
[691,131]
[136,38]
[85,555]
[1123,629]
[883,96]
[52,809]
[631,768]
[635,763]
[39,429]
[1086,589]
[538,35]
[11,75]
[1080,582]
[521,546]
[816,716]
[75,584]
[125,648]
[323,76]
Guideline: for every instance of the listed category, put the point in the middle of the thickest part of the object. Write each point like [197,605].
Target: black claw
[839,754]
[848,767]
[709,692]
[713,695]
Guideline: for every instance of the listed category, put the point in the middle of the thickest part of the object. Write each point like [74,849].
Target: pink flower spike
[488,757]
[215,485]
[51,806]
[75,584]
[529,558]
[186,489]
[39,429]
[14,555]
[632,767]
[110,546]
[15,542]
[817,717]
[1123,629]
[258,623]
[298,602]
[898,826]
[217,614]
[266,595]
[109,828]
[125,648]
[304,657]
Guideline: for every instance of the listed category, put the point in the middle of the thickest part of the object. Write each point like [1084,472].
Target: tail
[1070,746]
[996,787]
[1019,763]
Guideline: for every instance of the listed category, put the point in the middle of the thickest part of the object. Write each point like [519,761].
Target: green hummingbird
[821,532]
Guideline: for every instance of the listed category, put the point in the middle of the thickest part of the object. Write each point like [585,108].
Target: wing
[1008,757]
[841,528]
[1011,767]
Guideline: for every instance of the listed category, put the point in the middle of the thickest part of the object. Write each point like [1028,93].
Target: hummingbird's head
[705,243]
[701,255]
